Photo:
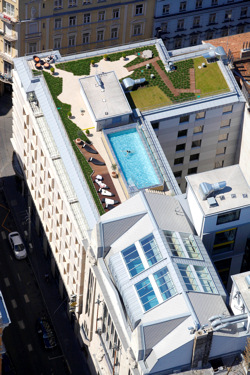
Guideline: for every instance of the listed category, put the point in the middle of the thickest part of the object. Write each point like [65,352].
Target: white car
[17,245]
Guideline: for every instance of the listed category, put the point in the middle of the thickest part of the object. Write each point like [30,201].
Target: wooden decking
[101,170]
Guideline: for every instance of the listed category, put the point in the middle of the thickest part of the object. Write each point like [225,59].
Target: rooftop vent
[99,81]
[247,278]
[211,202]
[244,195]
[129,83]
[222,197]
[233,195]
[205,189]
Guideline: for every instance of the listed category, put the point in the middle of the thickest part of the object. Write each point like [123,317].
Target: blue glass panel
[146,294]
[164,283]
[133,260]
[151,249]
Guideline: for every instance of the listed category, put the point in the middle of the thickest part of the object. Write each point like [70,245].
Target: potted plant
[113,167]
[78,141]
[52,69]
[69,114]
[124,56]
[92,62]
[105,57]
[87,131]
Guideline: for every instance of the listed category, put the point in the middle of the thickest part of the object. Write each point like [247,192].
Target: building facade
[188,23]
[69,26]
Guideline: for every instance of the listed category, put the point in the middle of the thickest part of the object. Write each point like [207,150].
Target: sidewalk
[73,353]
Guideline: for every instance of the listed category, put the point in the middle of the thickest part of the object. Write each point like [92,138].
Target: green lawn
[209,79]
[148,97]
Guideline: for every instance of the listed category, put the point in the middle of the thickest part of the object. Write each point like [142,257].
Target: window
[212,18]
[132,260]
[198,4]
[223,137]
[116,13]
[184,118]
[137,29]
[228,217]
[180,24]
[227,109]
[221,151]
[86,18]
[101,15]
[188,277]
[214,2]
[193,40]
[181,147]
[210,35]
[182,133]
[146,294]
[177,174]
[7,47]
[196,22]
[7,68]
[228,15]
[72,40]
[155,125]
[58,4]
[183,6]
[100,35]
[240,29]
[194,157]
[85,38]
[33,28]
[114,33]
[72,3]
[200,115]
[139,9]
[224,241]
[151,249]
[58,23]
[205,279]
[164,283]
[57,43]
[192,170]
[224,32]
[243,12]
[182,245]
[8,8]
[178,43]
[165,9]
[32,47]
[196,143]
[72,20]
[223,268]
[178,161]
[219,164]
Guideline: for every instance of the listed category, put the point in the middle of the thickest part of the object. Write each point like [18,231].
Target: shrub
[92,62]
[87,131]
[105,57]
[52,69]
[69,114]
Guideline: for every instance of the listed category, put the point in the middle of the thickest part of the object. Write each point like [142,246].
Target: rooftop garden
[55,87]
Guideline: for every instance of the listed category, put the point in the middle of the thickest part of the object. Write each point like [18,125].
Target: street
[27,294]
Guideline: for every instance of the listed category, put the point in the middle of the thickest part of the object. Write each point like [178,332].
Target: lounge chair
[105,192]
[95,161]
[89,149]
[98,177]
[109,202]
[101,184]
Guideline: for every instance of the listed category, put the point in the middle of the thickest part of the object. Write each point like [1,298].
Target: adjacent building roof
[236,194]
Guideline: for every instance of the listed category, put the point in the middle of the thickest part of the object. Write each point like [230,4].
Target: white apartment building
[145,286]
[223,223]
[186,23]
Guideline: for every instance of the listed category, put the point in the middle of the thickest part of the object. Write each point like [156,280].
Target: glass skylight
[182,245]
[151,249]
[133,260]
[164,283]
[146,294]
[205,279]
[188,277]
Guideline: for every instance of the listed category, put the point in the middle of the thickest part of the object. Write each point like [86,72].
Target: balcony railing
[6,78]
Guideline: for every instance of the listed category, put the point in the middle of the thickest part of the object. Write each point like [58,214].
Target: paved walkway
[143,63]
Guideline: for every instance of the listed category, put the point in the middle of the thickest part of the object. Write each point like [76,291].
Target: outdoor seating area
[43,63]
[101,177]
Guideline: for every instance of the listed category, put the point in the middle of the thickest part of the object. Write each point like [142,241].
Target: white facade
[186,23]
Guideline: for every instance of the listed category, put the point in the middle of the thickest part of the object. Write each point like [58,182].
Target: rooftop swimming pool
[134,159]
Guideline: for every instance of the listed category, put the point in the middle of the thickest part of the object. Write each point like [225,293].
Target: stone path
[165,78]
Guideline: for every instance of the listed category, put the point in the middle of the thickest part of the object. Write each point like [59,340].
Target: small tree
[124,55]
[92,62]
[69,114]
[105,57]
[87,131]
[52,69]
[113,167]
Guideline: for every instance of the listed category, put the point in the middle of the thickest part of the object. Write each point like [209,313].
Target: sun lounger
[96,162]
[89,149]
[106,192]
[109,202]
[101,184]
[99,177]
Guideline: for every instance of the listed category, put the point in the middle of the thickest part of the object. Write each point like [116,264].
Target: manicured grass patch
[82,67]
[148,97]
[55,87]
[180,77]
[209,79]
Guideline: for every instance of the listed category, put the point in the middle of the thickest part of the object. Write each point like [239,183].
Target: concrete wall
[245,146]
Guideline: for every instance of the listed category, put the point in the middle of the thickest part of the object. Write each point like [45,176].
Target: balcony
[36,35]
[6,78]
[10,38]
[6,57]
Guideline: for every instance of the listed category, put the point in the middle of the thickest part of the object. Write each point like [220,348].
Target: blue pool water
[135,164]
